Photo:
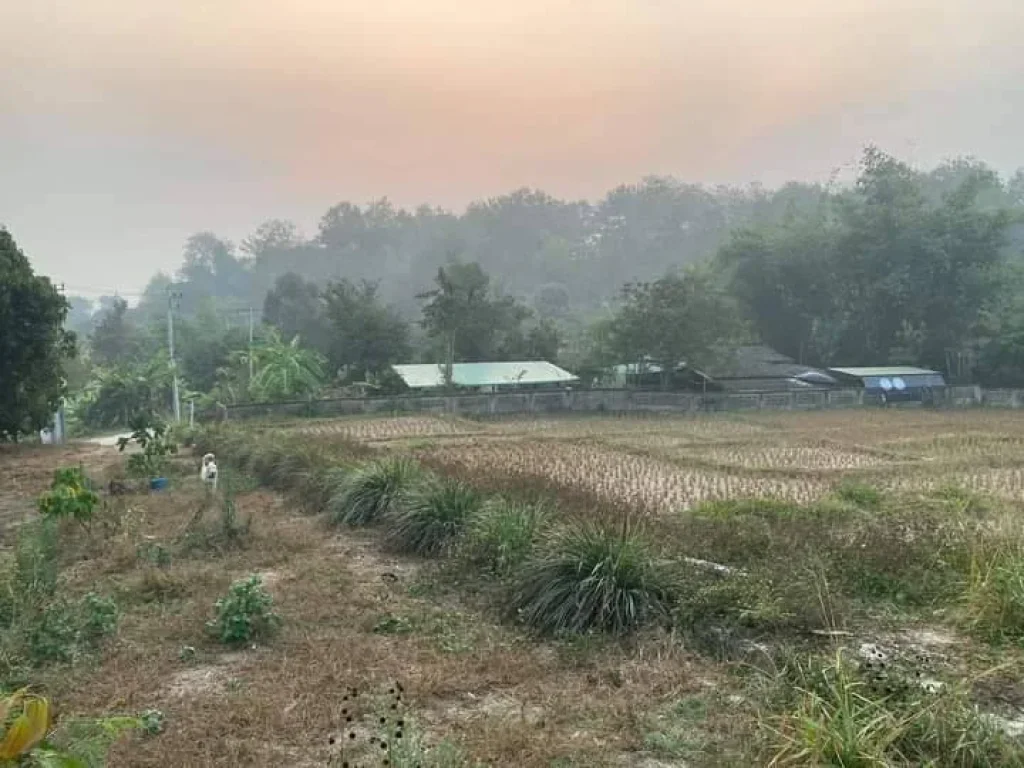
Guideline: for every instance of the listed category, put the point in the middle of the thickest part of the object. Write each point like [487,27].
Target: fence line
[606,401]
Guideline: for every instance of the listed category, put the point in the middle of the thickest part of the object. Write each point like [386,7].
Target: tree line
[901,266]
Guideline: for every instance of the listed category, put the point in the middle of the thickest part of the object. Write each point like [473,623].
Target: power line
[82,289]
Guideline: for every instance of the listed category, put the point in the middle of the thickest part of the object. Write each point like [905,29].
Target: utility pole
[173,298]
[250,346]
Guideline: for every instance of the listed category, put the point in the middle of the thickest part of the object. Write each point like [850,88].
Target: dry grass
[468,678]
[356,615]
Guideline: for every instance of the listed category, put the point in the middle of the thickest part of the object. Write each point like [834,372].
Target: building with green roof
[487,377]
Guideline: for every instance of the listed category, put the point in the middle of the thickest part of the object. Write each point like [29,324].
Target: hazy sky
[126,125]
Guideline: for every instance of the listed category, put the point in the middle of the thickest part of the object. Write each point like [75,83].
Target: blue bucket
[158,483]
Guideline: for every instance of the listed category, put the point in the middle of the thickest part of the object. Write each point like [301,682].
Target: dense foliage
[33,344]
[899,266]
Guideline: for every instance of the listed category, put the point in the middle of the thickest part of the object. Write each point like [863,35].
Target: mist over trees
[899,266]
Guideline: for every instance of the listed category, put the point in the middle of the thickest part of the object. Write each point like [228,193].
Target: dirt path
[26,471]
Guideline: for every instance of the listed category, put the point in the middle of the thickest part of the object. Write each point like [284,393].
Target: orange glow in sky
[128,124]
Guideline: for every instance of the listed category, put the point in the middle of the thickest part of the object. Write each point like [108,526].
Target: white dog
[208,472]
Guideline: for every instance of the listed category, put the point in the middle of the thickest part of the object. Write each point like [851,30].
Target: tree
[295,307]
[366,337]
[116,338]
[33,344]
[211,268]
[682,318]
[470,321]
[204,343]
[270,236]
[900,268]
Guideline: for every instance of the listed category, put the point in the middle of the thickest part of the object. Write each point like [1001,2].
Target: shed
[759,368]
[487,377]
[650,375]
[893,383]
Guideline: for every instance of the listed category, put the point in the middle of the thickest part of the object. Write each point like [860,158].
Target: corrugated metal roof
[895,370]
[430,375]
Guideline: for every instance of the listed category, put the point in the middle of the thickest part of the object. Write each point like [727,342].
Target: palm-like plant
[282,369]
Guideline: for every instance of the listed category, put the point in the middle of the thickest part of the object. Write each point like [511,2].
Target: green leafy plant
[153,436]
[52,635]
[245,614]
[85,742]
[591,578]
[70,496]
[61,630]
[432,517]
[99,617]
[370,492]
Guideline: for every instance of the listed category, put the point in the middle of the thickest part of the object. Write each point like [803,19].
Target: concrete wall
[604,401]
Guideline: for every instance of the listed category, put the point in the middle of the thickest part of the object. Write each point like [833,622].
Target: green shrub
[591,578]
[154,436]
[432,517]
[52,635]
[154,553]
[60,630]
[246,613]
[99,616]
[371,491]
[85,742]
[70,496]
[503,535]
[859,494]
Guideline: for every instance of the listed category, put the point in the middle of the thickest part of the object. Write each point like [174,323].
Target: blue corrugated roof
[430,375]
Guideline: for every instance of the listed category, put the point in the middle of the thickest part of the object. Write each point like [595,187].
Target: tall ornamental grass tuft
[372,491]
[432,517]
[591,578]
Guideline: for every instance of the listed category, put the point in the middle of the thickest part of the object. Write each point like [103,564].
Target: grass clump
[859,494]
[591,578]
[768,508]
[372,491]
[432,517]
[245,613]
[503,535]
[834,716]
[993,599]
[227,531]
[318,485]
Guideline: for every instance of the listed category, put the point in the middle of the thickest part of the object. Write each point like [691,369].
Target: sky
[127,125]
